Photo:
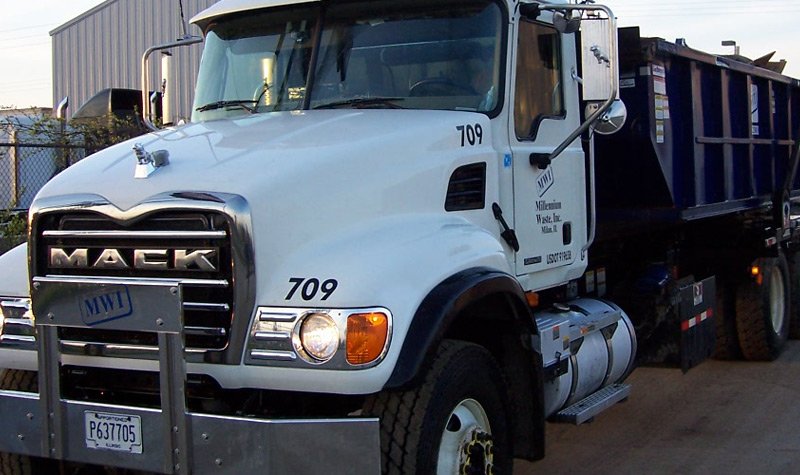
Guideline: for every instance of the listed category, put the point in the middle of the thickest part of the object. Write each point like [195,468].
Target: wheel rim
[776,299]
[466,446]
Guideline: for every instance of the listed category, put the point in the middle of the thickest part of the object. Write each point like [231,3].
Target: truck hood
[314,154]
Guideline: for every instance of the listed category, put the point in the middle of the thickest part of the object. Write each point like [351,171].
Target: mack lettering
[204,260]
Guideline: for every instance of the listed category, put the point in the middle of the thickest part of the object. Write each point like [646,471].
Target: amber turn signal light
[755,271]
[532,298]
[366,337]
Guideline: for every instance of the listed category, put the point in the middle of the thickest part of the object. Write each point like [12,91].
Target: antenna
[183,20]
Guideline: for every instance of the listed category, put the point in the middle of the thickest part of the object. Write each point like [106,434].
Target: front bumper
[216,444]
[170,439]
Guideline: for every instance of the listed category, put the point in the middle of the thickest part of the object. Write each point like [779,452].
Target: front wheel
[15,380]
[455,422]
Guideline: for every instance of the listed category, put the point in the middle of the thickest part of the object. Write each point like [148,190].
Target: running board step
[593,404]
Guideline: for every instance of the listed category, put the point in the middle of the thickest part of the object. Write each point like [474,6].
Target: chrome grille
[208,295]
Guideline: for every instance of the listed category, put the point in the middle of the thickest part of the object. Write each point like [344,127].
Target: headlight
[319,337]
[341,339]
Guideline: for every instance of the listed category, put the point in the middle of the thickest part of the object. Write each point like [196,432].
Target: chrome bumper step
[592,405]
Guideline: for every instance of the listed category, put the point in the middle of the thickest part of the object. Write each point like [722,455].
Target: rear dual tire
[763,304]
[793,259]
[727,347]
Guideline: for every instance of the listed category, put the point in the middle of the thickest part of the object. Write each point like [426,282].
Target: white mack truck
[392,239]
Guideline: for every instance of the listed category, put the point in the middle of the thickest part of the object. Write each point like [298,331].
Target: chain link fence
[35,147]
[26,167]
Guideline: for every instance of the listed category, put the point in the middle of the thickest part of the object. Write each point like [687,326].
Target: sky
[759,27]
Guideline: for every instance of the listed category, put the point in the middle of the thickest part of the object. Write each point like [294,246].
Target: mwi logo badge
[106,304]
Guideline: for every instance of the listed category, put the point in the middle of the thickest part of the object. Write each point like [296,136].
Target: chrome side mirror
[612,120]
[146,106]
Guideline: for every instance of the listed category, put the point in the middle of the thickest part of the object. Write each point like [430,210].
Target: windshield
[377,54]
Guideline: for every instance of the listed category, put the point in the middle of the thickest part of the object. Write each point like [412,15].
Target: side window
[539,92]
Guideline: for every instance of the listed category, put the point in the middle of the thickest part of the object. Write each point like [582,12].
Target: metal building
[103,48]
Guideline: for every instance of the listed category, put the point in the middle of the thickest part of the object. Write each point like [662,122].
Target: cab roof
[225,7]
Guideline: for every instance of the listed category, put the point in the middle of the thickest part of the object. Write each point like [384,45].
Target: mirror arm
[146,111]
[611,67]
[583,127]
[574,74]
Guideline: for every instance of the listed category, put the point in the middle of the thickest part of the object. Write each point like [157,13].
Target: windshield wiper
[363,102]
[240,103]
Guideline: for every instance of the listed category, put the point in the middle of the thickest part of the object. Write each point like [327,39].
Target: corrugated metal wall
[103,48]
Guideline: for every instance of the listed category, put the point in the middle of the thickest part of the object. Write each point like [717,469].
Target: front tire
[763,309]
[455,421]
[16,380]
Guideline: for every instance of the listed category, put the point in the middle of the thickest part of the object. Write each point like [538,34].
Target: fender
[441,307]
[437,313]
[14,268]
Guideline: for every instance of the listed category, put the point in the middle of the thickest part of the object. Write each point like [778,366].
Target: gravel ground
[720,417]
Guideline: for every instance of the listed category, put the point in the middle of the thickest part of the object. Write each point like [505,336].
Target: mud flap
[698,329]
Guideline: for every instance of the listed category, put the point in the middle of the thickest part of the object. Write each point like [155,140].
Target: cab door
[550,208]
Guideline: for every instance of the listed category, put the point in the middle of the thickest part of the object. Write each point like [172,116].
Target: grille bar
[80,279]
[16,305]
[207,290]
[205,331]
[20,340]
[273,355]
[272,336]
[19,322]
[135,234]
[71,347]
[206,307]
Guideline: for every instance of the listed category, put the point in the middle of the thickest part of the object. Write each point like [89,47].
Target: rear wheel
[727,347]
[794,284]
[455,422]
[763,309]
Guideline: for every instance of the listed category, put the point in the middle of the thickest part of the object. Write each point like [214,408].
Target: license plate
[105,430]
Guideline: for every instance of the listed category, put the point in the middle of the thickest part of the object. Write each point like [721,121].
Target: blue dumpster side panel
[706,135]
